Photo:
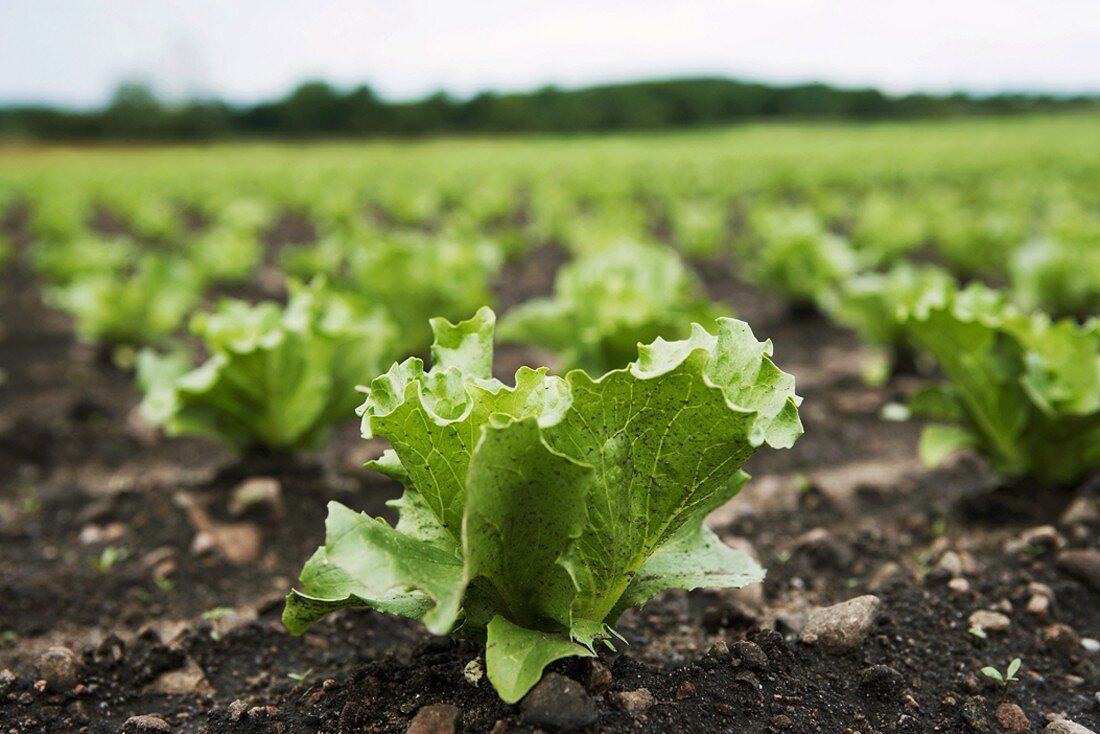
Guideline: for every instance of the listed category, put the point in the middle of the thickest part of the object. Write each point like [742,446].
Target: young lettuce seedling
[534,515]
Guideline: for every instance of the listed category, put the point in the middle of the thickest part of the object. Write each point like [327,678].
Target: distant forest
[316,109]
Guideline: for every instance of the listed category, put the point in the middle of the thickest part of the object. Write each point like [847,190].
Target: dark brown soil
[98,554]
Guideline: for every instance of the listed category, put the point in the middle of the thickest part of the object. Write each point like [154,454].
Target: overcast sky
[74,52]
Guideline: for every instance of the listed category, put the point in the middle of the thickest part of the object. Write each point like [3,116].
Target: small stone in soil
[146,724]
[881,681]
[262,493]
[634,703]
[1090,645]
[842,626]
[1045,537]
[237,709]
[1083,511]
[959,585]
[1083,565]
[1062,640]
[989,621]
[599,677]
[1039,606]
[1012,718]
[59,667]
[1065,726]
[951,564]
[439,718]
[748,654]
[559,704]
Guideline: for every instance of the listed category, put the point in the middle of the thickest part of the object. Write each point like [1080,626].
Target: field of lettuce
[860,494]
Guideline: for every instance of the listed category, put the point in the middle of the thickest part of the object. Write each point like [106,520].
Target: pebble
[102,534]
[1045,537]
[599,677]
[146,724]
[1083,565]
[474,671]
[634,703]
[558,704]
[1082,511]
[951,564]
[1065,726]
[1037,589]
[187,680]
[439,718]
[1090,645]
[959,585]
[1039,606]
[1012,718]
[7,678]
[884,575]
[842,626]
[989,621]
[59,667]
[263,493]
[237,709]
[1062,640]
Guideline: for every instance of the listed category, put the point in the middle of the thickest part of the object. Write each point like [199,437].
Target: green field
[256,294]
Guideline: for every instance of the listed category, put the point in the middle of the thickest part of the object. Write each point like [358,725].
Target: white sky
[75,51]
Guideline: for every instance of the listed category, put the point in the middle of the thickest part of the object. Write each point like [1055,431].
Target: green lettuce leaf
[1024,391]
[554,504]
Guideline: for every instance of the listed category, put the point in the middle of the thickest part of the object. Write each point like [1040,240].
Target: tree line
[317,109]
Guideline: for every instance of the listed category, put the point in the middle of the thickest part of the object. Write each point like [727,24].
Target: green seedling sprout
[1007,678]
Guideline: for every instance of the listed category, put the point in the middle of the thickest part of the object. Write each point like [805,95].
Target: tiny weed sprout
[1006,678]
[109,557]
[300,677]
[217,613]
[534,515]
[978,632]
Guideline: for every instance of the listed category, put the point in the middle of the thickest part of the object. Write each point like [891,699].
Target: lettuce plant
[412,275]
[534,515]
[276,378]
[798,257]
[67,261]
[607,302]
[872,304]
[130,307]
[1060,272]
[700,227]
[886,228]
[1023,390]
